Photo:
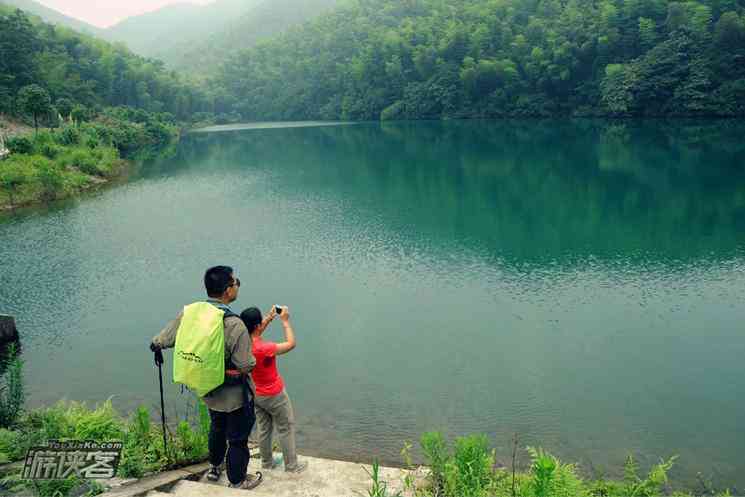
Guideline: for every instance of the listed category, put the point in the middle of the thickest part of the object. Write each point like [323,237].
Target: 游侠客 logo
[83,458]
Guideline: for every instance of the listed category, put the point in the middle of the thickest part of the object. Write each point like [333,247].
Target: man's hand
[158,354]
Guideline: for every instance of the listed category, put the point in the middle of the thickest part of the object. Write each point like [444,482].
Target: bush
[50,177]
[436,451]
[469,472]
[68,136]
[12,394]
[13,174]
[49,151]
[81,158]
[20,145]
[101,424]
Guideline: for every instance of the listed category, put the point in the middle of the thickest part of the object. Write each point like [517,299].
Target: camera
[278,309]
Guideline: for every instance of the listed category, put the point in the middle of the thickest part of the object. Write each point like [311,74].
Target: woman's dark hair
[217,279]
[251,318]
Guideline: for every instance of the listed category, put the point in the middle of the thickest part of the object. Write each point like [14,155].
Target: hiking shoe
[250,482]
[214,473]
[301,466]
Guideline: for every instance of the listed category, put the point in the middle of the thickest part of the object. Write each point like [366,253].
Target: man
[230,404]
[273,406]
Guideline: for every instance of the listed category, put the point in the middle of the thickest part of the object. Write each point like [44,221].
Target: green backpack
[199,355]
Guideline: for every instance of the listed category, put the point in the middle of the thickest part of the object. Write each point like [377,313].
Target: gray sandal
[250,482]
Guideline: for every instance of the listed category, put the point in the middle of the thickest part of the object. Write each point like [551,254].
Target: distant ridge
[266,19]
[156,34]
[52,16]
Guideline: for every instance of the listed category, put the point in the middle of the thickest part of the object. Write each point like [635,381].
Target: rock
[8,330]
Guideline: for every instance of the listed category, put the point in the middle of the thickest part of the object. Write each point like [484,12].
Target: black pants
[232,429]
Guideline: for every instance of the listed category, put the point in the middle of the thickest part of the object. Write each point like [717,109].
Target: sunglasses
[236,282]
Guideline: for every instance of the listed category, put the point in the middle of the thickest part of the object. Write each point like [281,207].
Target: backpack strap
[232,376]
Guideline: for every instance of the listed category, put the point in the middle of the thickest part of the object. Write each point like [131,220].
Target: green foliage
[136,444]
[12,176]
[385,59]
[142,451]
[543,467]
[79,72]
[34,100]
[68,136]
[12,393]
[378,487]
[57,163]
[101,423]
[64,106]
[12,447]
[80,114]
[437,453]
[552,478]
[50,176]
[20,145]
[469,472]
[652,485]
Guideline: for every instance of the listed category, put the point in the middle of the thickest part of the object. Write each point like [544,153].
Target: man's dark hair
[217,279]
[251,317]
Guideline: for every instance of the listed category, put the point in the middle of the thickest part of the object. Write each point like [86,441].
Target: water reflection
[526,191]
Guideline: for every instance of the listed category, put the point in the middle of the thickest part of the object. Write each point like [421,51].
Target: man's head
[252,319]
[220,284]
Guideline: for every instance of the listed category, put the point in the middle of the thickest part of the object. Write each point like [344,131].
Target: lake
[577,282]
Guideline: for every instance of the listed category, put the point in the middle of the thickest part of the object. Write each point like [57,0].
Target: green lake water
[580,283]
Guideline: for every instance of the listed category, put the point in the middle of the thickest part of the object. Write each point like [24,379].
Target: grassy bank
[466,468]
[143,452]
[58,163]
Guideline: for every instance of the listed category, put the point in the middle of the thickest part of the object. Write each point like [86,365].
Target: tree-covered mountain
[166,32]
[263,21]
[371,59]
[80,69]
[52,16]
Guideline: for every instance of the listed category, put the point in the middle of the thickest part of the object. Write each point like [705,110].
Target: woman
[271,403]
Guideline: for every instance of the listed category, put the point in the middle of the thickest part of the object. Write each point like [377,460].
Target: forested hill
[79,69]
[372,59]
[52,16]
[264,20]
[162,33]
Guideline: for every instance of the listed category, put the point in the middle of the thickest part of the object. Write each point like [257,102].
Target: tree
[65,106]
[647,33]
[79,114]
[617,88]
[34,100]
[18,44]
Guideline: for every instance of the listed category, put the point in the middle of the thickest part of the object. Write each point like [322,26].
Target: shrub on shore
[143,451]
[467,470]
[57,163]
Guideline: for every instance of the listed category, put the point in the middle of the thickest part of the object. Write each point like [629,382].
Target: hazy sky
[104,13]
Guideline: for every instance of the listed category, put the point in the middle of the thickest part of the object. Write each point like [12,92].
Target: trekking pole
[159,362]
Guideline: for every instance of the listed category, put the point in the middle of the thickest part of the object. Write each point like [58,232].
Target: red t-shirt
[265,374]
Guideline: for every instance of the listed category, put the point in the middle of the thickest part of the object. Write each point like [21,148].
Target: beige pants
[276,412]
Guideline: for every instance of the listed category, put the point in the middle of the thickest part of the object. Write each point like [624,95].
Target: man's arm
[240,354]
[167,337]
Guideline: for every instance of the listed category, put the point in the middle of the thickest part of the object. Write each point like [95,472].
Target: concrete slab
[322,478]
[161,481]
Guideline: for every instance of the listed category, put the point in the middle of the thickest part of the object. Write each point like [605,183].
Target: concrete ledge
[160,482]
